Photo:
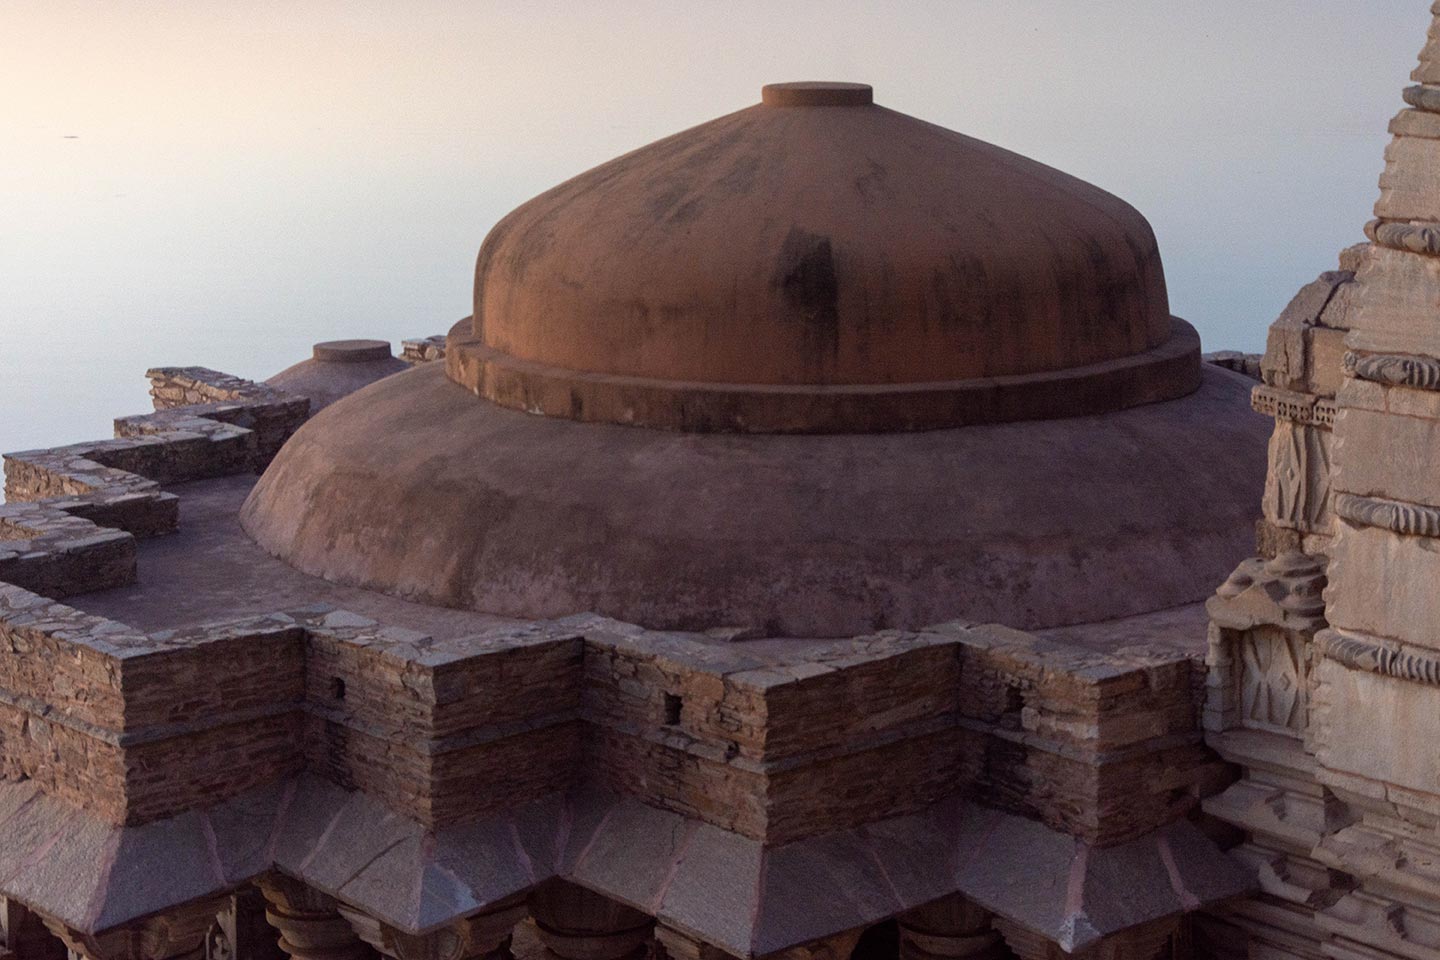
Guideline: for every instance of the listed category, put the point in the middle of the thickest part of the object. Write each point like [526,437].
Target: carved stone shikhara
[1330,714]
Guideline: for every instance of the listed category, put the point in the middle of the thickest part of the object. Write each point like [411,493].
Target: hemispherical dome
[817,263]
[794,293]
[337,368]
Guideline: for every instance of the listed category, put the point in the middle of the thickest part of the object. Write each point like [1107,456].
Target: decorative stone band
[1305,408]
[1410,237]
[1423,97]
[1395,369]
[1375,656]
[1166,372]
[1407,519]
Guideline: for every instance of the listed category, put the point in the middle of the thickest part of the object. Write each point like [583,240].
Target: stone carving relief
[1274,680]
[1411,237]
[1397,369]
[1292,406]
[1381,658]
[1297,485]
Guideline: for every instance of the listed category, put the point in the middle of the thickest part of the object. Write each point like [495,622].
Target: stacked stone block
[423,349]
[269,414]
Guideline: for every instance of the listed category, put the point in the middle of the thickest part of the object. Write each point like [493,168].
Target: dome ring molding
[1166,372]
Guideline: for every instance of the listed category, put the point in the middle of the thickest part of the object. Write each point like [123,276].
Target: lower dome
[413,487]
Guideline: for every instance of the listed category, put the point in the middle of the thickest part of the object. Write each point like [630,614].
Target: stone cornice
[1406,519]
[1376,656]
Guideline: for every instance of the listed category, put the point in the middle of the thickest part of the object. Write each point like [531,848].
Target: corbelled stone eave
[723,888]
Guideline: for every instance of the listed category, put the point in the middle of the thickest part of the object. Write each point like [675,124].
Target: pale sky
[224,183]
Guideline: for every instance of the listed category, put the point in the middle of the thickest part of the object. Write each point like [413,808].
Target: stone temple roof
[719,886]
[810,369]
[731,638]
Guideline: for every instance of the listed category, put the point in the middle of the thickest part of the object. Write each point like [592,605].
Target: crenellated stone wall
[1100,747]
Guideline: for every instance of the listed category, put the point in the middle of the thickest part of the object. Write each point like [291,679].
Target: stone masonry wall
[443,731]
[72,512]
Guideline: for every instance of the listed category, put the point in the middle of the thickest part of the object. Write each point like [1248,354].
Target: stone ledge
[1306,408]
[1243,363]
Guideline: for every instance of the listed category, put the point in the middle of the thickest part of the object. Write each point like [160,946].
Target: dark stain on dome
[806,275]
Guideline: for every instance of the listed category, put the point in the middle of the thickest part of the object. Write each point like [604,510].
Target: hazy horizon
[224,184]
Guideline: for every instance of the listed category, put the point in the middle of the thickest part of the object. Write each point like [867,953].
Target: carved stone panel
[1274,676]
[1297,486]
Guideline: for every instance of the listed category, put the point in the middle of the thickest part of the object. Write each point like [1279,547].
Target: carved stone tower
[1333,709]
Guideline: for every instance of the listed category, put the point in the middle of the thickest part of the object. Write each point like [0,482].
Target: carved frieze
[1274,677]
[177,934]
[1286,591]
[1297,485]
[1259,662]
[1292,405]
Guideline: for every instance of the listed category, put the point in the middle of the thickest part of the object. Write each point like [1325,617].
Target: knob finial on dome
[817,93]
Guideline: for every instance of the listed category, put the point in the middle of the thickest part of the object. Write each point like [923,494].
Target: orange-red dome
[820,263]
